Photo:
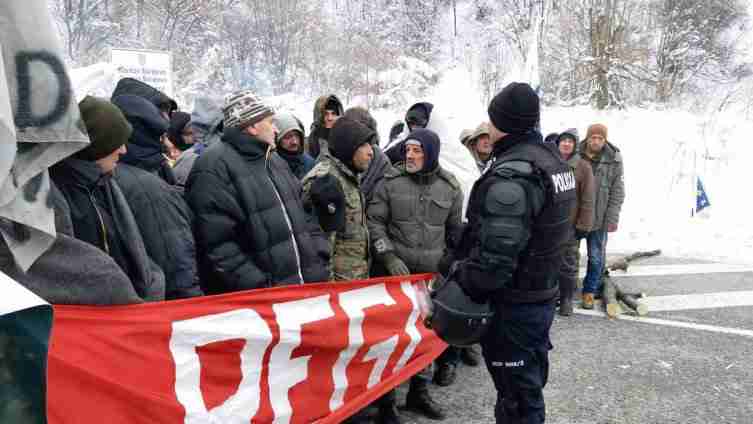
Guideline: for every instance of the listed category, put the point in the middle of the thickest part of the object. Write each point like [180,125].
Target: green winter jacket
[609,184]
[414,216]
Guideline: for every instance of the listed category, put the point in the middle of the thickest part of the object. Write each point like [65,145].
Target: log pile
[616,299]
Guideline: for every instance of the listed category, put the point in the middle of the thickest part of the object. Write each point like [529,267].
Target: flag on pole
[701,200]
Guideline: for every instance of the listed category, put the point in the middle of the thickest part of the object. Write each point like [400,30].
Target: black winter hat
[571,133]
[346,137]
[419,114]
[431,145]
[178,123]
[142,114]
[362,115]
[551,138]
[515,110]
[107,127]
[334,105]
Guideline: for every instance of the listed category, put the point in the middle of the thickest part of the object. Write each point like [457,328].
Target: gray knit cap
[243,109]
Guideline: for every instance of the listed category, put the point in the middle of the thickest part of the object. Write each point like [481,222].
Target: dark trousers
[516,352]
[451,355]
[597,255]
[569,270]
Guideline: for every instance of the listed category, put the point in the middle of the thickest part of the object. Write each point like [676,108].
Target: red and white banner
[300,354]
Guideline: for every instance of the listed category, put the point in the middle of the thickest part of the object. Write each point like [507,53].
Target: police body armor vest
[535,278]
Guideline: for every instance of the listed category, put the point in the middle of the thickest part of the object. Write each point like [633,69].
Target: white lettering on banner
[189,334]
[563,181]
[410,327]
[381,352]
[243,405]
[289,372]
[354,302]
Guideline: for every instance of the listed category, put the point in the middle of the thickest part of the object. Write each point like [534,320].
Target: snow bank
[663,150]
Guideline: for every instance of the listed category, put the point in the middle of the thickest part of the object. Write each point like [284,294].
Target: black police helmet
[457,319]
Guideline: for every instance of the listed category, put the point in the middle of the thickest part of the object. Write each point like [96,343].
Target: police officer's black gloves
[395,265]
[472,279]
[329,202]
[580,234]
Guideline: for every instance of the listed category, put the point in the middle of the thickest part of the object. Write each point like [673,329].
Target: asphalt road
[684,365]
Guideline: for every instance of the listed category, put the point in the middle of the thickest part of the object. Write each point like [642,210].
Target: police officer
[518,216]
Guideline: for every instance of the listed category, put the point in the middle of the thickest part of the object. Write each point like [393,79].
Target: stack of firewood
[616,299]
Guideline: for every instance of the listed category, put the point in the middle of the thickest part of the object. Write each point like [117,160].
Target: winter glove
[329,202]
[580,234]
[472,279]
[395,265]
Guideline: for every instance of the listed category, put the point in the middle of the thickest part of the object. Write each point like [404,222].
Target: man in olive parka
[413,218]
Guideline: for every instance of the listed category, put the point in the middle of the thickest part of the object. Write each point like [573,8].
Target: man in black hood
[161,212]
[327,110]
[145,149]
[414,218]
[164,104]
[417,116]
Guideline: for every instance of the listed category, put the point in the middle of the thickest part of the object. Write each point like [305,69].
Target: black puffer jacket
[144,147]
[250,227]
[165,223]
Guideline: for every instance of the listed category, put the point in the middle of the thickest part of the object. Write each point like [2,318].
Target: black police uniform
[518,218]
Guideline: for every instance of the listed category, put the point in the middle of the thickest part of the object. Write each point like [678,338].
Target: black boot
[470,356]
[418,400]
[445,374]
[388,409]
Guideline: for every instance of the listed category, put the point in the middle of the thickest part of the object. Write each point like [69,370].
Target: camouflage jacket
[349,247]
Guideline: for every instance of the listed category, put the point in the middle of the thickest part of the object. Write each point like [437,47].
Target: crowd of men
[236,196]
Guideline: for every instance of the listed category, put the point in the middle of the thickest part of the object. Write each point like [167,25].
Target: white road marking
[668,323]
[698,301]
[677,269]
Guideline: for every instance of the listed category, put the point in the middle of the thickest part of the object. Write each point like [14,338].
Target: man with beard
[414,217]
[480,146]
[606,161]
[332,190]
